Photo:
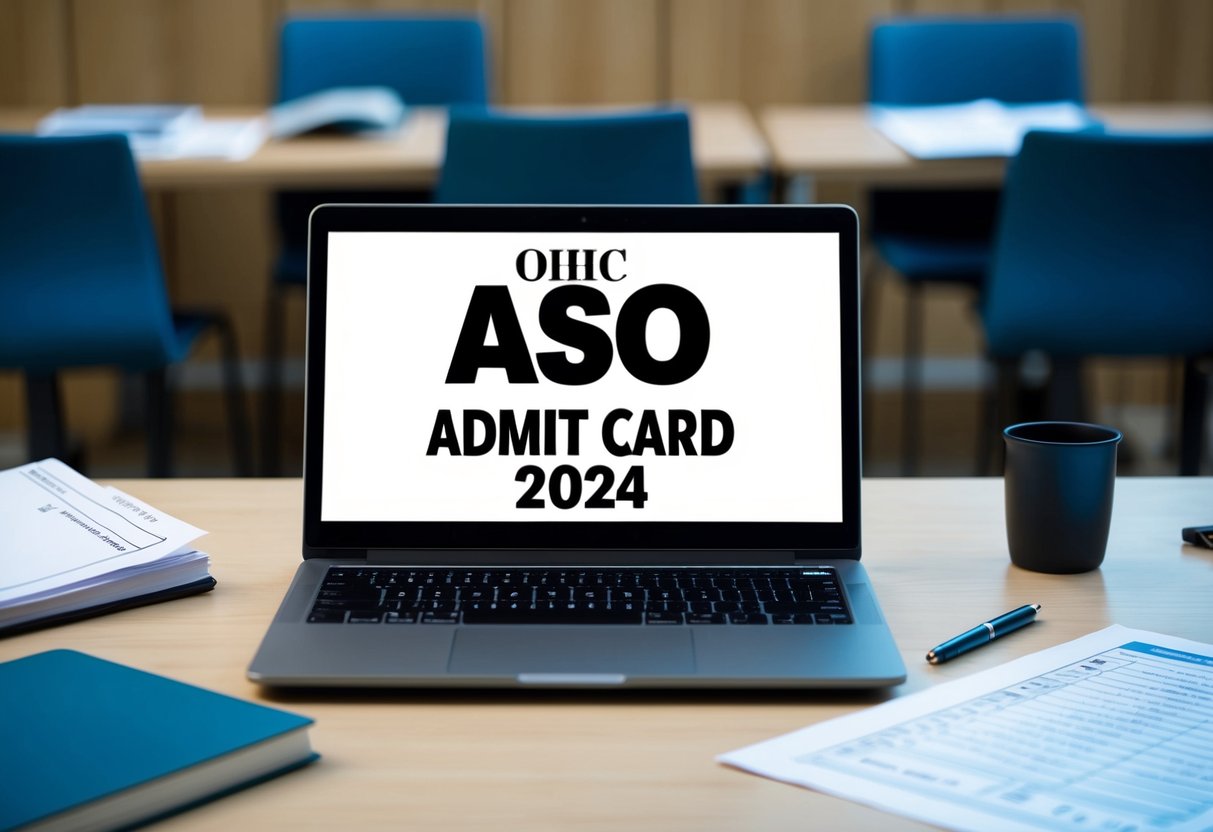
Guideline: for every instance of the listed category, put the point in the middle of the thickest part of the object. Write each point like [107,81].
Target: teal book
[90,744]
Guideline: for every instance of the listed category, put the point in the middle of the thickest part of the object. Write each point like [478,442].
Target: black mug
[1059,479]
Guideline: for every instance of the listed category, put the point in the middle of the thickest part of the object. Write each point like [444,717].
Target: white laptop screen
[588,377]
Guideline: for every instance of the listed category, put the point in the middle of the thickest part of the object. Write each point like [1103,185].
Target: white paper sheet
[59,528]
[1110,732]
[973,129]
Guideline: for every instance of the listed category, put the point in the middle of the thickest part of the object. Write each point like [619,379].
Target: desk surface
[935,549]
[838,142]
[726,143]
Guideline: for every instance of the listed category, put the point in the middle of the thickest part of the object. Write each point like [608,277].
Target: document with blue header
[1110,732]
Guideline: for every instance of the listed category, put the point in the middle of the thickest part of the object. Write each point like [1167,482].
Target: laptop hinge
[582,557]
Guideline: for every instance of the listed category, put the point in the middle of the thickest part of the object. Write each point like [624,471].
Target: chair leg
[233,394]
[1065,397]
[271,387]
[869,308]
[159,423]
[1192,418]
[44,415]
[911,380]
[1002,408]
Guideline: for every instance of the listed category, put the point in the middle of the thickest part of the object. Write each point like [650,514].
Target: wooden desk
[838,143]
[726,143]
[935,549]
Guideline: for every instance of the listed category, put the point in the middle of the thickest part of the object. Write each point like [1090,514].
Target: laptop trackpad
[523,650]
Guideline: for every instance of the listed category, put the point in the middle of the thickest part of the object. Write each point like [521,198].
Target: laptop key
[662,617]
[747,618]
[327,616]
[365,616]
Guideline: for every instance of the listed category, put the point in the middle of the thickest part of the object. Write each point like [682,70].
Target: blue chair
[427,61]
[1104,249]
[944,236]
[81,285]
[637,158]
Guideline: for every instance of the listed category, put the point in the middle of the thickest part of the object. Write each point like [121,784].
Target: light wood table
[444,760]
[727,146]
[838,143]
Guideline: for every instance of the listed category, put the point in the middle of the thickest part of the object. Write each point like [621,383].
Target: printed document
[61,529]
[973,129]
[1110,732]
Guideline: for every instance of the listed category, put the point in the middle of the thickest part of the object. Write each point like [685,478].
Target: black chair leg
[1192,418]
[1065,396]
[44,415]
[159,423]
[869,309]
[1001,409]
[233,394]
[271,387]
[911,380]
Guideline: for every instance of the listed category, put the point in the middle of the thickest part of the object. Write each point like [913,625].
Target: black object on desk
[1199,536]
[983,633]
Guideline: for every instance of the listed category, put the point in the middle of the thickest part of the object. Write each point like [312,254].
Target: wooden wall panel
[771,51]
[588,52]
[34,61]
[207,51]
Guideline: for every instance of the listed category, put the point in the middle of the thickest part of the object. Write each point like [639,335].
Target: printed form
[1110,732]
[61,531]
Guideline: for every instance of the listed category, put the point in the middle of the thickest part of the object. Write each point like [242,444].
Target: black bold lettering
[712,447]
[572,420]
[540,261]
[443,435]
[604,264]
[491,304]
[682,432]
[648,438]
[519,439]
[608,432]
[573,265]
[582,335]
[471,445]
[694,334]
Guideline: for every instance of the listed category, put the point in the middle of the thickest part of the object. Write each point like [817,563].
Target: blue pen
[983,633]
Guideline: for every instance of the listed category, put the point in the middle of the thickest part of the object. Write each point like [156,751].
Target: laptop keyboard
[648,597]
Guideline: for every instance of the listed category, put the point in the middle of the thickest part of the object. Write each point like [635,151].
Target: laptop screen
[611,376]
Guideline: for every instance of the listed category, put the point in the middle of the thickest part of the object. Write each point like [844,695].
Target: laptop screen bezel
[355,538]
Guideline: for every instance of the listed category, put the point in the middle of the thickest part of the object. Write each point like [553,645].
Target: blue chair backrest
[1105,247]
[639,158]
[80,277]
[923,61]
[427,60]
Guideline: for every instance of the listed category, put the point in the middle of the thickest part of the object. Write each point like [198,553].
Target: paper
[352,108]
[973,129]
[162,131]
[1111,732]
[61,530]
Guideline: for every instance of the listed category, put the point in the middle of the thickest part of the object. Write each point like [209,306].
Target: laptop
[569,446]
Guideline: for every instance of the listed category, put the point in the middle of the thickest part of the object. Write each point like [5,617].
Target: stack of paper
[342,108]
[161,131]
[975,128]
[71,548]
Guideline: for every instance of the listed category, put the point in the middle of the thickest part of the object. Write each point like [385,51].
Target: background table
[615,760]
[838,143]
[726,144]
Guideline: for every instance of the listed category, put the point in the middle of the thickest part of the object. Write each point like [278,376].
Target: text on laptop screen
[592,376]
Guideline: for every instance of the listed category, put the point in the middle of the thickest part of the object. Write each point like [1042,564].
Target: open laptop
[576,446]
